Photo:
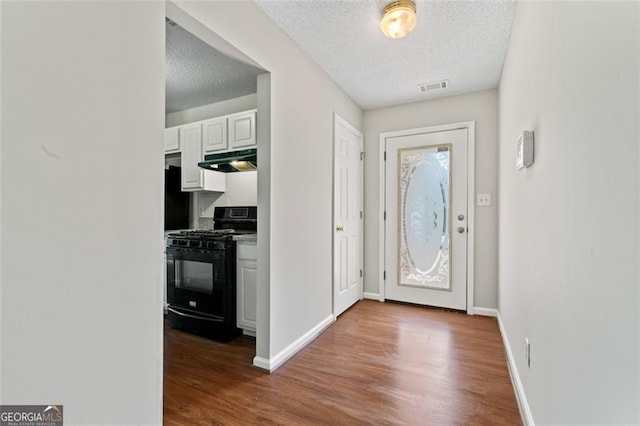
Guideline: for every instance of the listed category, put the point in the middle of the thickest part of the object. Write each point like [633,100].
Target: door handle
[340,228]
[460,230]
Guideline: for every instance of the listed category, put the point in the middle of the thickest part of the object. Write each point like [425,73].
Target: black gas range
[201,274]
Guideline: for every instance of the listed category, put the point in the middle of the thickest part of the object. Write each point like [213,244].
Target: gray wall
[81,218]
[481,107]
[569,231]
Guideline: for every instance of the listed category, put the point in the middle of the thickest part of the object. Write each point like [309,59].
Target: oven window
[195,276]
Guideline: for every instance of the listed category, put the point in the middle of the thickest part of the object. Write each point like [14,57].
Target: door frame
[471,173]
[337,119]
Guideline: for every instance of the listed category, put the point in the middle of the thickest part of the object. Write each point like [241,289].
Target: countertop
[247,238]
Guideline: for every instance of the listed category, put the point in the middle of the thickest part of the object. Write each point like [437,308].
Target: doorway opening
[209,79]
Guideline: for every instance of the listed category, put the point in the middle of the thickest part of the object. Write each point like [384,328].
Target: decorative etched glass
[424,217]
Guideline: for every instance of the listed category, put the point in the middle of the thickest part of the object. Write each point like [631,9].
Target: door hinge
[384,216]
[384,275]
[360,273]
[363,155]
[385,156]
[360,214]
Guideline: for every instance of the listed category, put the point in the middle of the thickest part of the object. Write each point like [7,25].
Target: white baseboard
[372,296]
[525,411]
[261,362]
[486,312]
[271,364]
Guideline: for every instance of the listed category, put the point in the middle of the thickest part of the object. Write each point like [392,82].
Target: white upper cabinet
[171,140]
[191,137]
[195,178]
[242,130]
[214,135]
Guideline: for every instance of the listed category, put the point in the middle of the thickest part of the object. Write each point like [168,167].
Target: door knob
[460,217]
[340,228]
[460,230]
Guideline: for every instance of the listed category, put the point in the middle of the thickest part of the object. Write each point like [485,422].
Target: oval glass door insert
[424,214]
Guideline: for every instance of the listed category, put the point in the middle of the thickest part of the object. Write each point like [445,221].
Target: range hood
[229,162]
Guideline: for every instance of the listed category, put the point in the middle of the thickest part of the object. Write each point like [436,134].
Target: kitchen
[211,110]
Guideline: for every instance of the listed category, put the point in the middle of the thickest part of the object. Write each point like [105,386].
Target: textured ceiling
[461,41]
[197,74]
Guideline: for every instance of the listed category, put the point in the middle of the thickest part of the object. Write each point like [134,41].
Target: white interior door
[426,218]
[347,216]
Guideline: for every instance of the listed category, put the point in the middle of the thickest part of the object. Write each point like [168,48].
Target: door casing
[470,126]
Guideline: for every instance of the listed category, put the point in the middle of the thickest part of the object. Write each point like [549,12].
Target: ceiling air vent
[436,85]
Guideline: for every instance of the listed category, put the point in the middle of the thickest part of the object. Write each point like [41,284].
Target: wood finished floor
[378,364]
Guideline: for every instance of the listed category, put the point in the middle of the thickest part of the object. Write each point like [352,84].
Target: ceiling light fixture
[398,18]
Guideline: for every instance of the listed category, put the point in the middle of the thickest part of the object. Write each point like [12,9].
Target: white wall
[569,227]
[231,106]
[81,220]
[241,190]
[298,169]
[481,107]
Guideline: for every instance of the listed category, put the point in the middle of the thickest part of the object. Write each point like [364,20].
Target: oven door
[196,281]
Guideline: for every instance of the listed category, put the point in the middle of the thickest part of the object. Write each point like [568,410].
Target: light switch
[483,200]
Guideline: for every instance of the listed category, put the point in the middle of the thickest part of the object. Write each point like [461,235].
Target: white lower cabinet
[247,277]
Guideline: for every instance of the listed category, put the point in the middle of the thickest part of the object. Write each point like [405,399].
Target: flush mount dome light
[398,19]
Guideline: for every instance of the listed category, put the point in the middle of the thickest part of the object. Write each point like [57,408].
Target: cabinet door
[171,140]
[247,279]
[214,135]
[191,138]
[242,130]
[247,292]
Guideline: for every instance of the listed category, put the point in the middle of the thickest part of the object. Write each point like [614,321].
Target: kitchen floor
[379,363]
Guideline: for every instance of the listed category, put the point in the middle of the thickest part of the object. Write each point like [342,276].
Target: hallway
[379,363]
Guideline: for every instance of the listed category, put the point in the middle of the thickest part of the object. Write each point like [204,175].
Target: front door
[348,284]
[426,218]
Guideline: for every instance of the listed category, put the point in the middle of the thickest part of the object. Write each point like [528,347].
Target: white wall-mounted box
[525,150]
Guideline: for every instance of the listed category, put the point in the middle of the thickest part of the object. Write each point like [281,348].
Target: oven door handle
[193,316]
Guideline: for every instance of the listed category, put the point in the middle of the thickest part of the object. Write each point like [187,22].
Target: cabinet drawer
[247,251]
